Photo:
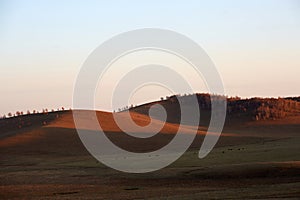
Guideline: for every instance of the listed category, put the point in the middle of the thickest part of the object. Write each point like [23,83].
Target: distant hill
[239,112]
[15,123]
[253,109]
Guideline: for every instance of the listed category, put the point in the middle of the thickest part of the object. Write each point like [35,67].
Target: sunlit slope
[130,122]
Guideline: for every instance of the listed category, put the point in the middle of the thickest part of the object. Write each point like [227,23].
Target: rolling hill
[253,109]
[42,156]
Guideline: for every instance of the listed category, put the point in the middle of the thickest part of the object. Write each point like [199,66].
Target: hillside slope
[239,111]
[47,160]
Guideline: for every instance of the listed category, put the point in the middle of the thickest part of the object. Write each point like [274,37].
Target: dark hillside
[254,109]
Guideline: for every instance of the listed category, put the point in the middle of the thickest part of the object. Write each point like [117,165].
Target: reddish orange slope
[108,124]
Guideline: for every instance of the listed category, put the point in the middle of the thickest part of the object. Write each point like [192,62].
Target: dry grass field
[46,160]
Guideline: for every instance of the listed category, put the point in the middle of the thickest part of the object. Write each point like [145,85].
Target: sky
[255,45]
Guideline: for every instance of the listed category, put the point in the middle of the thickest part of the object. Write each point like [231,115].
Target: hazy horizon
[255,45]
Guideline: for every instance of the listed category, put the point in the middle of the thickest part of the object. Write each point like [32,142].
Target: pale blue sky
[254,44]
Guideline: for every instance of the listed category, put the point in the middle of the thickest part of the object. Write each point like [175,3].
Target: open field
[50,162]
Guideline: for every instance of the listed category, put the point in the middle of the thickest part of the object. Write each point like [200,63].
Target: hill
[238,110]
[42,156]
